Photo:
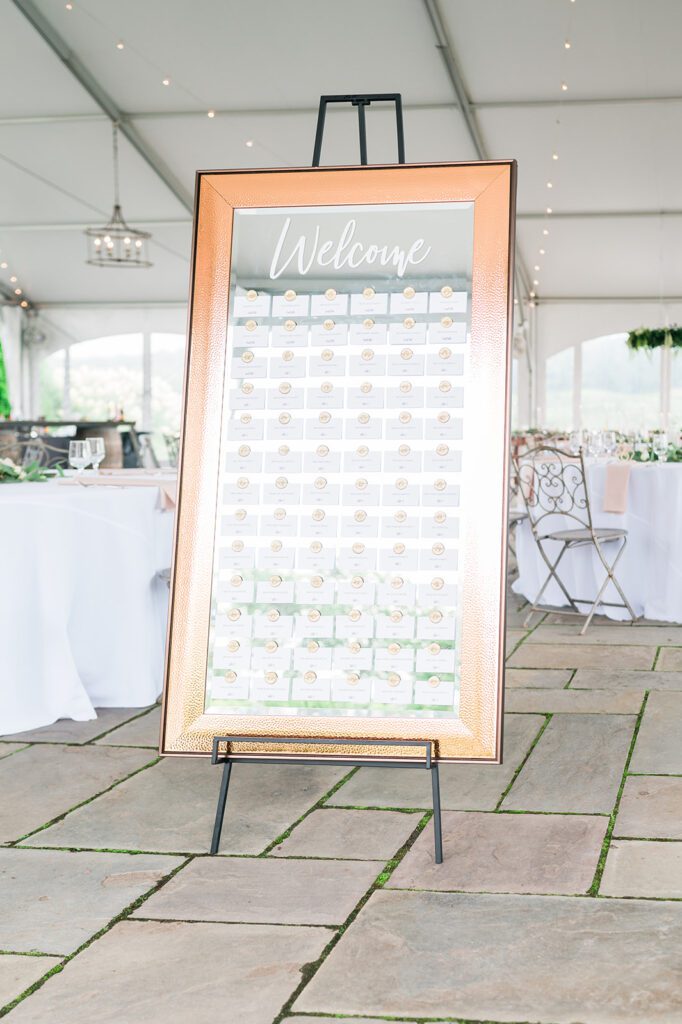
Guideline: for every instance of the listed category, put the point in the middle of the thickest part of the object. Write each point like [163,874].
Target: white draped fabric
[82,614]
[650,570]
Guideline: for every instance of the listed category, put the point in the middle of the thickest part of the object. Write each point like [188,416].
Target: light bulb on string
[249,143]
[13,279]
[555,156]
[545,231]
[564,87]
[211,113]
[567,44]
[3,265]
[542,252]
[548,211]
[120,45]
[165,81]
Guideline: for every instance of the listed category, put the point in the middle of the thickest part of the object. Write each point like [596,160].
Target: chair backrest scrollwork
[553,483]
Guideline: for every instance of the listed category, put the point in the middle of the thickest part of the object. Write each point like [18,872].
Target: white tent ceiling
[616,226]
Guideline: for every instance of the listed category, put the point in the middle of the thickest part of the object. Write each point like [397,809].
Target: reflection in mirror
[335,576]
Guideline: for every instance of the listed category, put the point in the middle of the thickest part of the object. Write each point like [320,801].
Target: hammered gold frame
[476,735]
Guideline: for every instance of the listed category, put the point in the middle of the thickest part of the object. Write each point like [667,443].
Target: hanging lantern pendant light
[116,244]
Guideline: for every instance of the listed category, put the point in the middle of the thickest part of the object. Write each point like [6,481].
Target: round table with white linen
[82,612]
[650,569]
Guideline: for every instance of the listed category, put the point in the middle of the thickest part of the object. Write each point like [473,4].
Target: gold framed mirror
[340,548]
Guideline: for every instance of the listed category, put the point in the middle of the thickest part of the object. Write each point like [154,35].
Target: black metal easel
[225,757]
[361,101]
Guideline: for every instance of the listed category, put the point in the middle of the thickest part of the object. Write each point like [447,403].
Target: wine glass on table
[610,442]
[97,452]
[660,446]
[79,455]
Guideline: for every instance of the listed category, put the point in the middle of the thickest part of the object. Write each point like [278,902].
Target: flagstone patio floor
[559,901]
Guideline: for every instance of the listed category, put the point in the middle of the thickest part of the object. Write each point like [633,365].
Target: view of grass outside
[620,388]
[106,377]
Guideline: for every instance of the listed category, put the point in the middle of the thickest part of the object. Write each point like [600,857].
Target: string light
[567,44]
[18,291]
[120,45]
[249,143]
[531,294]
[13,279]
[536,267]
[542,252]
[545,231]
[536,283]
[24,304]
[555,156]
[165,81]
[211,113]
[548,210]
[3,265]
[69,7]
[550,185]
[564,87]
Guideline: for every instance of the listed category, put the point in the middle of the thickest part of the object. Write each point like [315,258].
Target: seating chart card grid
[335,581]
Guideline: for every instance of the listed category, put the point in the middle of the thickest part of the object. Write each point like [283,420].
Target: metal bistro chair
[553,483]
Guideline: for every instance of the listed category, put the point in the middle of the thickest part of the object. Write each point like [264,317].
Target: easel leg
[437,831]
[220,809]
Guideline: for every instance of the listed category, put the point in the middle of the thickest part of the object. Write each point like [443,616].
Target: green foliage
[5,407]
[11,473]
[649,338]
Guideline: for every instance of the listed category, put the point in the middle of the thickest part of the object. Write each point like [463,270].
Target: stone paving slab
[650,808]
[570,655]
[345,1020]
[171,807]
[44,781]
[11,748]
[173,972]
[463,786]
[576,766]
[17,973]
[521,853]
[641,868]
[52,901]
[625,679]
[250,890]
[505,958]
[651,636]
[555,678]
[513,636]
[67,731]
[670,660]
[586,702]
[141,732]
[659,742]
[366,835]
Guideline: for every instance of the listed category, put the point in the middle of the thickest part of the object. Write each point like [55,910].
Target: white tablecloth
[82,615]
[650,569]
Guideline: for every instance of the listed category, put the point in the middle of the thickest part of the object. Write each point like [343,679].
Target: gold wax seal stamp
[368,293]
[314,615]
[446,291]
[290,295]
[230,677]
[330,294]
[233,646]
[328,325]
[409,322]
[409,292]
[234,614]
[272,614]
[310,677]
[247,357]
[270,678]
[394,679]
[252,295]
[251,325]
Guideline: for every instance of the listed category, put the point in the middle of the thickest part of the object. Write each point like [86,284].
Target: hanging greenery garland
[649,338]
